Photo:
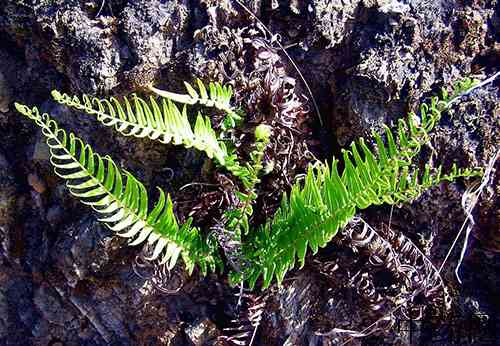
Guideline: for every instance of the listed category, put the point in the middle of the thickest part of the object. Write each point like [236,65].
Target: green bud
[263,133]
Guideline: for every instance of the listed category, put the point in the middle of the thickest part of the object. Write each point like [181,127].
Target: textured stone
[85,249]
[71,32]
[335,19]
[297,302]
[152,29]
[201,332]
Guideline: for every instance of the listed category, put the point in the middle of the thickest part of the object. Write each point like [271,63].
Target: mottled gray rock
[297,302]
[15,300]
[40,152]
[152,30]
[97,50]
[86,249]
[335,19]
[49,303]
[55,215]
[201,332]
[63,278]
[404,54]
[81,46]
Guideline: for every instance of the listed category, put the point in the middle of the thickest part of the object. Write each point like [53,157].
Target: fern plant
[308,217]
[126,212]
[236,220]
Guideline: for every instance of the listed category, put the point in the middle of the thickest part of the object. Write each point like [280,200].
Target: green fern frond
[165,122]
[327,200]
[217,96]
[120,199]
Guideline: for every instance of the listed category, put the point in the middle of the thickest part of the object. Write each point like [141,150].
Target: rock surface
[65,280]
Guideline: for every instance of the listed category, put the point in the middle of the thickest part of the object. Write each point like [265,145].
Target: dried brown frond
[390,280]
[245,324]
